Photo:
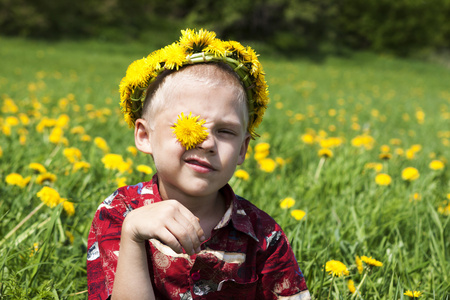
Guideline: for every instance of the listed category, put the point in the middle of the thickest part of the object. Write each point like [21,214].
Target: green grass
[347,213]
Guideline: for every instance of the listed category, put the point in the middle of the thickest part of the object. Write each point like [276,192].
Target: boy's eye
[227,131]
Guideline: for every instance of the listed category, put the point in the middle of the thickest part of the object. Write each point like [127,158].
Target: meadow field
[352,161]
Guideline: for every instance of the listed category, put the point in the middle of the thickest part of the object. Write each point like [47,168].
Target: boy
[185,234]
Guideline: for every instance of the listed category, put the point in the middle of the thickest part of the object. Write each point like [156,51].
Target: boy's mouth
[200,165]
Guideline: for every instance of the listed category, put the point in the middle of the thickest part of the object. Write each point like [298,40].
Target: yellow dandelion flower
[359,264]
[102,144]
[413,294]
[85,166]
[385,156]
[260,154]
[267,165]
[218,48]
[6,130]
[77,130]
[9,106]
[85,138]
[242,174]
[56,135]
[144,169]
[410,174]
[375,166]
[325,152]
[138,73]
[68,207]
[383,179]
[70,236]
[24,119]
[121,181]
[371,261]
[12,121]
[35,249]
[416,148]
[22,139]
[47,176]
[385,148]
[444,208]
[262,147]
[189,131]
[196,41]
[72,154]
[112,161]
[280,161]
[436,165]
[415,197]
[133,150]
[399,151]
[1,151]
[351,286]
[62,121]
[395,141]
[17,179]
[174,56]
[331,142]
[49,196]
[365,141]
[307,138]
[336,268]
[39,168]
[287,203]
[410,154]
[298,214]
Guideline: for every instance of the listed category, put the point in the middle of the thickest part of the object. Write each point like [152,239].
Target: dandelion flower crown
[196,47]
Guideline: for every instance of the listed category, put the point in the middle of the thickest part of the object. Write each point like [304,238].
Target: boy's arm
[132,279]
[168,221]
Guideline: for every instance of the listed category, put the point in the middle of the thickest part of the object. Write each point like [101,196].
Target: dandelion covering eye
[189,131]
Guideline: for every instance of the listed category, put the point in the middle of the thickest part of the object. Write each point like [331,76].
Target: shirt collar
[235,213]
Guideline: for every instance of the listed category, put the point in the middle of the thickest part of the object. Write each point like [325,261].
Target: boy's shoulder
[130,197]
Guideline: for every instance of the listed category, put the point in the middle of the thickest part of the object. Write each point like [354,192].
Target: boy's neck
[208,208]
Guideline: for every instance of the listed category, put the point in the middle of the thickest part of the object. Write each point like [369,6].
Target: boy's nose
[209,144]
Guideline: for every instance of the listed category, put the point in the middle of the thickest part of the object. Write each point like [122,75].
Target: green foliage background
[401,27]
[347,213]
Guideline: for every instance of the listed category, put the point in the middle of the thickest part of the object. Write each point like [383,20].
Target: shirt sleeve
[103,246]
[280,275]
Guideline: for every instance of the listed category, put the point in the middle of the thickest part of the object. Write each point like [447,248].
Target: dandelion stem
[329,290]
[21,223]
[359,287]
[50,157]
[319,168]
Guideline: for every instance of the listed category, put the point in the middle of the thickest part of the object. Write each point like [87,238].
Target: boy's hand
[168,221]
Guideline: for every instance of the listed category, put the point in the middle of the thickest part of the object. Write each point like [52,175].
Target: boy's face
[203,170]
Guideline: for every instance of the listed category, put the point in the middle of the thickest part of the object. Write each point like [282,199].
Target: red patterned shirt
[247,257]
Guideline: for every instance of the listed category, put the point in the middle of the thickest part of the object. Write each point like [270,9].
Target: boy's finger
[195,222]
[186,234]
[178,227]
[166,237]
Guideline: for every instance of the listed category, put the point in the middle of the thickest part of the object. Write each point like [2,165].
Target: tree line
[400,26]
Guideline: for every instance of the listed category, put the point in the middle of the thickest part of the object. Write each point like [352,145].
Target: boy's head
[200,77]
[195,48]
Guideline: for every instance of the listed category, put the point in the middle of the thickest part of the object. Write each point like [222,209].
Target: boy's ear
[243,149]
[142,136]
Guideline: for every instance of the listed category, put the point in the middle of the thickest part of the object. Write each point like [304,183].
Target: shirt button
[195,276]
